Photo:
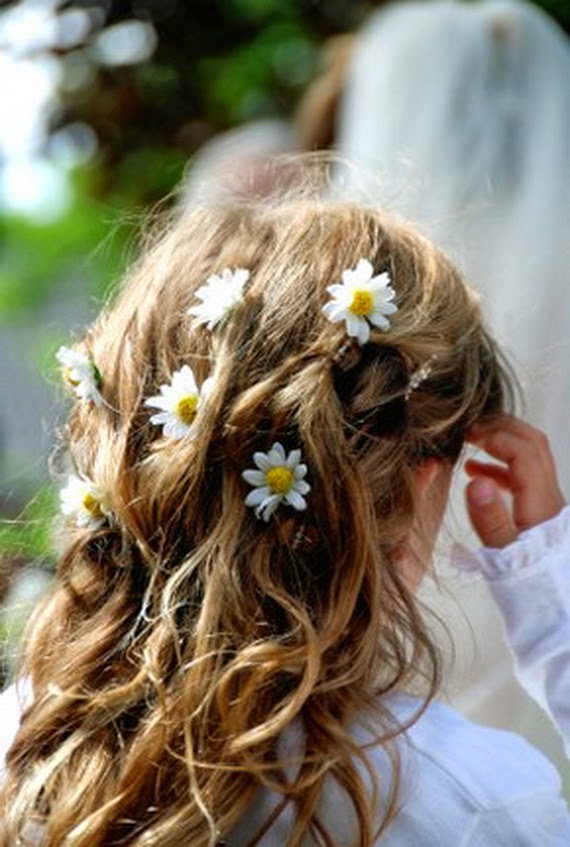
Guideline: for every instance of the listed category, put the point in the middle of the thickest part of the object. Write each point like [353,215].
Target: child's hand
[528,474]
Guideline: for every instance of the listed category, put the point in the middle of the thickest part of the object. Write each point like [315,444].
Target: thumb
[488,513]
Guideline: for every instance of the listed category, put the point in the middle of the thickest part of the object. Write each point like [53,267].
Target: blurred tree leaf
[29,536]
[245,83]
[89,244]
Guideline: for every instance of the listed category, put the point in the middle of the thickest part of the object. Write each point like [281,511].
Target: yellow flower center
[362,302]
[92,505]
[279,480]
[68,377]
[187,408]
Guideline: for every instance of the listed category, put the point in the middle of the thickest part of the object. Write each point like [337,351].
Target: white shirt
[463,785]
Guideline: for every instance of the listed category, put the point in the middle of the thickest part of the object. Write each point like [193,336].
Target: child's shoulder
[461,783]
[460,777]
[484,766]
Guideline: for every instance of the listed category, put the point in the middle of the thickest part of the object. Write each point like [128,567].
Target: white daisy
[279,477]
[81,374]
[219,296]
[360,300]
[179,403]
[85,502]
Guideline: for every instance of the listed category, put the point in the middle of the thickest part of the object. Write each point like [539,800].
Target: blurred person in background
[238,161]
[254,158]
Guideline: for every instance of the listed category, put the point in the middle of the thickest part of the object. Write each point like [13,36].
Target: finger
[506,423]
[525,462]
[489,515]
[532,473]
[534,437]
[503,445]
[531,469]
[500,475]
[538,441]
[542,453]
[524,430]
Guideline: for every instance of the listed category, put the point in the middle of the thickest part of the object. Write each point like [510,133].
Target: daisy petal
[302,487]
[293,459]
[160,418]
[364,270]
[254,477]
[262,461]
[363,332]
[184,381]
[337,290]
[207,387]
[174,428]
[378,319]
[277,454]
[158,402]
[257,496]
[389,308]
[294,499]
[334,311]
[353,324]
[269,506]
[380,281]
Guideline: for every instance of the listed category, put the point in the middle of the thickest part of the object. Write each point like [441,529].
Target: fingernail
[482,492]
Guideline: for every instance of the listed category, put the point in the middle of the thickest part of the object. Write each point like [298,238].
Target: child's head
[188,628]
[278,369]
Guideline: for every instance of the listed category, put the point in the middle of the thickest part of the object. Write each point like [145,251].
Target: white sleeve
[530,581]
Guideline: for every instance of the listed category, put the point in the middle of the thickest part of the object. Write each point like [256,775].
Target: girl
[259,454]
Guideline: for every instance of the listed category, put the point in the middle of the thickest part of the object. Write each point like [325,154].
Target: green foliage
[246,83]
[146,175]
[29,536]
[559,10]
[39,257]
[88,244]
[258,11]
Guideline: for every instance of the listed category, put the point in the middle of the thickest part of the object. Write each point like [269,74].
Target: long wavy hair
[183,637]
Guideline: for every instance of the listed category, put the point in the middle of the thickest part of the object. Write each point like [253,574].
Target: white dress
[463,785]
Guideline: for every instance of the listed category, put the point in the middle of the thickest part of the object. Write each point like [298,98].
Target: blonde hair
[182,638]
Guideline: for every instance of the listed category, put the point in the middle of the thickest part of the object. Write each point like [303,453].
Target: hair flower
[278,477]
[219,295]
[81,374]
[360,300]
[85,502]
[178,403]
